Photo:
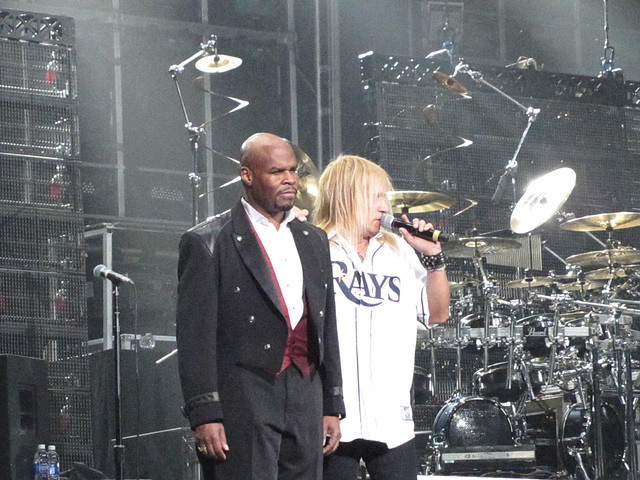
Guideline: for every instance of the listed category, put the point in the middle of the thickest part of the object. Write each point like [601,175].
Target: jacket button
[267,346]
[321,313]
[305,232]
[252,319]
[236,290]
[239,238]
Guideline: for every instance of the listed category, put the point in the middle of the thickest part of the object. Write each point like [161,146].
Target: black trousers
[273,427]
[382,462]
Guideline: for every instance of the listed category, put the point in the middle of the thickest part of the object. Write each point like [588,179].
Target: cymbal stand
[623,346]
[460,341]
[511,167]
[596,405]
[554,344]
[194,131]
[488,294]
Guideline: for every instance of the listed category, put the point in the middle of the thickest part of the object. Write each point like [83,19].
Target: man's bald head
[261,145]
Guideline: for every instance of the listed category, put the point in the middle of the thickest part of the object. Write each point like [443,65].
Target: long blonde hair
[345,192]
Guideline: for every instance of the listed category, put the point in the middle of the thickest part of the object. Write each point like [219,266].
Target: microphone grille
[98,270]
[387,221]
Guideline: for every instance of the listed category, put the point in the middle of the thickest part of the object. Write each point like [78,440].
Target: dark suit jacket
[228,312]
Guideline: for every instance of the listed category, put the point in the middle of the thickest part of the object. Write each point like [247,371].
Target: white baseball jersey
[378,302]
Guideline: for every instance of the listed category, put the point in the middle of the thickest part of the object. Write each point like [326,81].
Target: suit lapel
[249,250]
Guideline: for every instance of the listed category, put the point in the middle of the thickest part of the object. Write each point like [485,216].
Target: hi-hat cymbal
[607,273]
[218,63]
[479,246]
[543,197]
[602,222]
[449,82]
[308,176]
[602,258]
[467,282]
[530,282]
[414,201]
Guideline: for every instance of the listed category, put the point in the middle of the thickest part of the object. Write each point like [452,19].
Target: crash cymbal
[602,222]
[308,176]
[218,63]
[608,273]
[602,258]
[414,201]
[449,82]
[542,198]
[530,282]
[478,246]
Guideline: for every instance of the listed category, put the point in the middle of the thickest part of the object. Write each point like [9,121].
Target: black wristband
[433,263]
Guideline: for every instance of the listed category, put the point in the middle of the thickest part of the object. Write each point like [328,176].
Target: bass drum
[578,435]
[473,422]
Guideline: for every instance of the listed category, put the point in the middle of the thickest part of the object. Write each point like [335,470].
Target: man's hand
[331,426]
[420,244]
[300,213]
[211,440]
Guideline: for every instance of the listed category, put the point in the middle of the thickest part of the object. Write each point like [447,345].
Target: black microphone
[390,222]
[116,278]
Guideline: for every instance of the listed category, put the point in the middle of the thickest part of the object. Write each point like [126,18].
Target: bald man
[256,331]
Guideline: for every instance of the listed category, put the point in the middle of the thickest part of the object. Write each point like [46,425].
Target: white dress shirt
[284,257]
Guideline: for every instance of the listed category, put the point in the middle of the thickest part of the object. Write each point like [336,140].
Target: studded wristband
[433,263]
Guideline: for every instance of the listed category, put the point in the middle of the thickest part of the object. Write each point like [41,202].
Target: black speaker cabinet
[24,407]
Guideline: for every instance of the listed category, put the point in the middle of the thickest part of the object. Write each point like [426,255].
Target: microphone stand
[511,167]
[194,132]
[118,447]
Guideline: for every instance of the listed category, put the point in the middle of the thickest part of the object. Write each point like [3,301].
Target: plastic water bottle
[41,464]
[54,463]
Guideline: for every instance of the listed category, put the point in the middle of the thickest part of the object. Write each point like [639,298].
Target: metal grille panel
[38,129]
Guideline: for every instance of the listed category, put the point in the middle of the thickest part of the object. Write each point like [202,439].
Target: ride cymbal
[602,258]
[414,201]
[602,222]
[542,199]
[218,63]
[478,246]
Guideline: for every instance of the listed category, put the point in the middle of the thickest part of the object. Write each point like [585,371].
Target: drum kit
[563,398]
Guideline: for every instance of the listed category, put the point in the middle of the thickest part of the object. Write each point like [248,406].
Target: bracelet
[433,263]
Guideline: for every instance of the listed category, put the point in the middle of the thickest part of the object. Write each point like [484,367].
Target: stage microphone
[390,222]
[116,278]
